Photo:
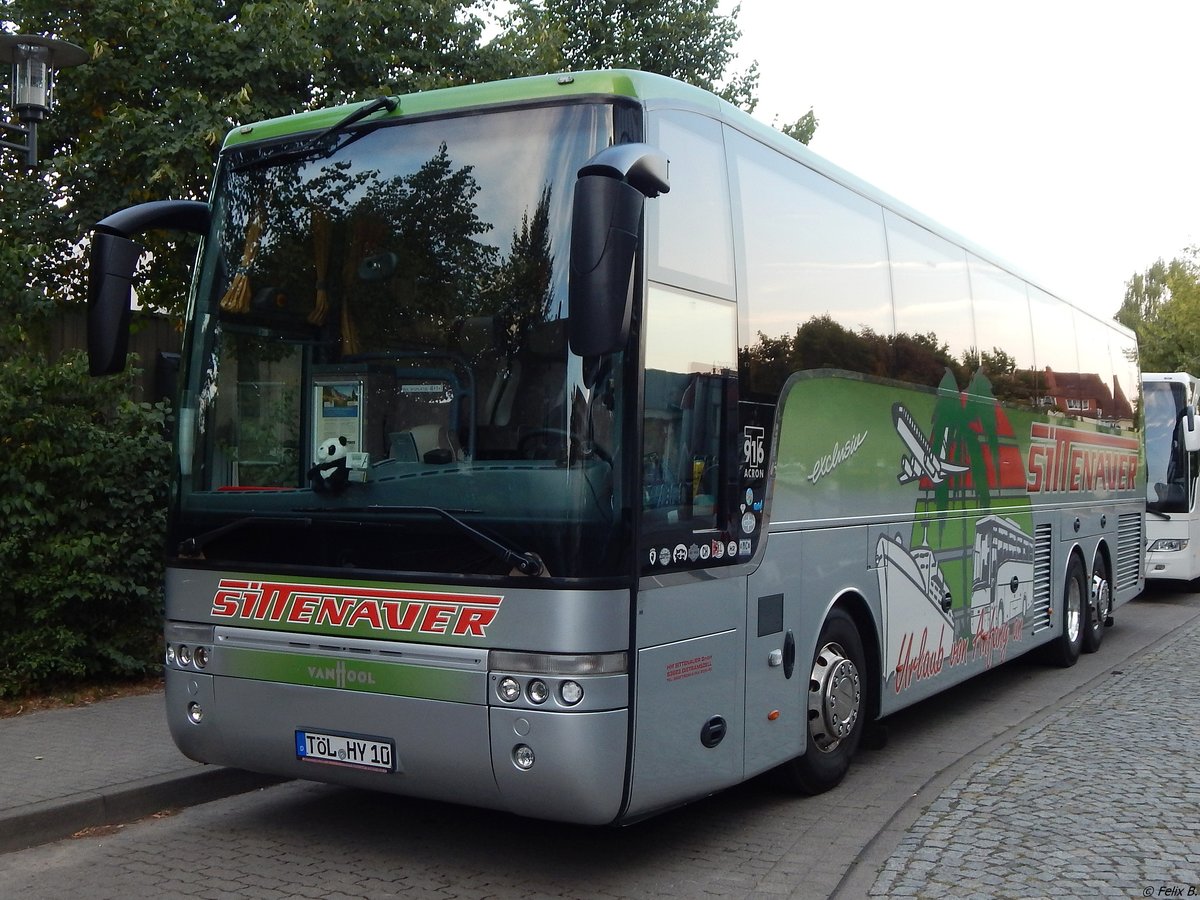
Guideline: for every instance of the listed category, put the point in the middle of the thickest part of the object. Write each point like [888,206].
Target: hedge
[83,489]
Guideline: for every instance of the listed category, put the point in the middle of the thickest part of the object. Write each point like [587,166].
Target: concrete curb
[52,820]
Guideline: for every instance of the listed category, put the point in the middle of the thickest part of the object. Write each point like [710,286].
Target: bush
[83,489]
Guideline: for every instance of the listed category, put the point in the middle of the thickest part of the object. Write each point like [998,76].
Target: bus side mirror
[110,305]
[1191,436]
[114,257]
[610,194]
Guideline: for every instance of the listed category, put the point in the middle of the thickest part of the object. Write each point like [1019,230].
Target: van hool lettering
[355,608]
[1064,460]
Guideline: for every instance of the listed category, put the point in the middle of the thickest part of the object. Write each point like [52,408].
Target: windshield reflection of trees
[375,263]
[393,273]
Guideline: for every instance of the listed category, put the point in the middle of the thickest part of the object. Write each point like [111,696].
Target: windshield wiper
[315,147]
[193,547]
[523,562]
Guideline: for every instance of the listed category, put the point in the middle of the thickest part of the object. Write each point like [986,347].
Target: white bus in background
[1172,463]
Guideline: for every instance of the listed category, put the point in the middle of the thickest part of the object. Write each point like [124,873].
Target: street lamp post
[34,59]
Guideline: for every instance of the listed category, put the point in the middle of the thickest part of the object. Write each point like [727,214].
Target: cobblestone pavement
[1071,809]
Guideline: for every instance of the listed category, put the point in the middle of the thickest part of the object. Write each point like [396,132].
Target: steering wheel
[544,443]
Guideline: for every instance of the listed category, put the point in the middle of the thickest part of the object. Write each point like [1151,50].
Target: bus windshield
[378,356]
[1168,480]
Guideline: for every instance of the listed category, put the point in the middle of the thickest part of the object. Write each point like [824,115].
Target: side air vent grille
[1040,614]
[1129,551]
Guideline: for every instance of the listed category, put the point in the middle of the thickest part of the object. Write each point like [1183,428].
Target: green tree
[1162,305]
[27,219]
[144,118]
[685,39]
[803,128]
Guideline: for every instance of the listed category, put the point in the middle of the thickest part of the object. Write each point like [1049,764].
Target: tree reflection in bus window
[935,325]
[1004,350]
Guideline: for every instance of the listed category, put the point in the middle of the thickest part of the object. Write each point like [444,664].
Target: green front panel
[395,679]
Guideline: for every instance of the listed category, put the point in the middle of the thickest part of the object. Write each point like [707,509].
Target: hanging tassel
[237,298]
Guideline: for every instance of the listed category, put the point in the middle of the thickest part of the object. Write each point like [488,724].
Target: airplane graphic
[923,462]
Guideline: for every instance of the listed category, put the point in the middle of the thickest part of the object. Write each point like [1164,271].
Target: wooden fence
[154,338]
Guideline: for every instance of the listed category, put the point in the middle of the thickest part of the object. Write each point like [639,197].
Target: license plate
[356,751]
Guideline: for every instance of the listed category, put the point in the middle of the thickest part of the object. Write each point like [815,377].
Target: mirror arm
[191,216]
[114,256]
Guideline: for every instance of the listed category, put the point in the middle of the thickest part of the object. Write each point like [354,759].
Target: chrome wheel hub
[1074,621]
[834,697]
[1101,601]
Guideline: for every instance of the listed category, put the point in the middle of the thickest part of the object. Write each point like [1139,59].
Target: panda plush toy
[330,471]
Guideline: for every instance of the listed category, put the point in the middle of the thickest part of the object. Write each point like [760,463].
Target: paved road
[1099,797]
[993,789]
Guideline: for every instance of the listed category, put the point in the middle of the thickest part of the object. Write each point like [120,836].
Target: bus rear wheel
[836,708]
[1099,607]
[1064,650]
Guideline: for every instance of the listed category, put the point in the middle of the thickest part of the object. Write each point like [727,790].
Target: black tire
[835,701]
[1064,650]
[1098,607]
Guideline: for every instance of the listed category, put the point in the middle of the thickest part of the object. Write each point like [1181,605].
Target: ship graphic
[918,595]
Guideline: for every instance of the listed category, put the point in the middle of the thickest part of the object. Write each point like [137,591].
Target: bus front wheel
[835,705]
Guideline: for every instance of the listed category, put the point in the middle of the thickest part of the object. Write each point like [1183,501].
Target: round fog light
[538,692]
[170,655]
[523,756]
[508,689]
[572,692]
[201,657]
[185,655]
[195,712]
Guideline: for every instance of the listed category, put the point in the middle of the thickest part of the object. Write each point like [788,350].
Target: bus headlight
[185,655]
[571,692]
[537,690]
[1169,545]
[200,655]
[508,689]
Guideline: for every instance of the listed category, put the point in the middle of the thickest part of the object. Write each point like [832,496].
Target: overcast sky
[1061,135]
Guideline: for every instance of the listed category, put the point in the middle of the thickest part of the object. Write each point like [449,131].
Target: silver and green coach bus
[578,446]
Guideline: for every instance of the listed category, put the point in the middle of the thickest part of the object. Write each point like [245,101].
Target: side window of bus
[1127,381]
[1004,349]
[688,388]
[816,288]
[935,327]
[690,225]
[1102,395]
[1056,355]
